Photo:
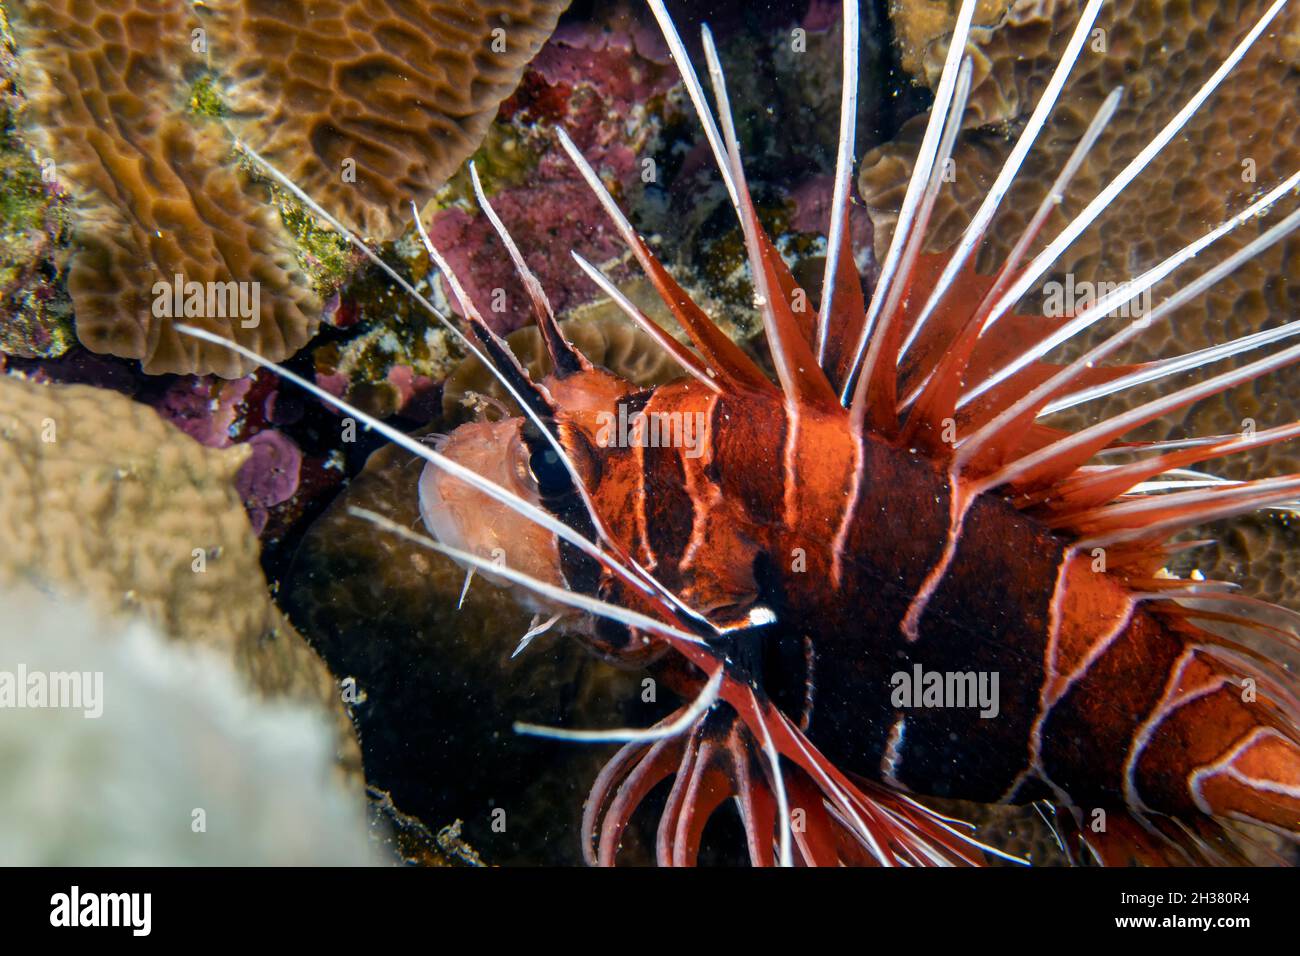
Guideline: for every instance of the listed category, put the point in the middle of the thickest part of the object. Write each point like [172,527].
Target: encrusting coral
[135,107]
[104,501]
[33,224]
[368,106]
[157,194]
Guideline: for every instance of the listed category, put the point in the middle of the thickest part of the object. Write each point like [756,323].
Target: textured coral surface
[369,105]
[157,194]
[102,499]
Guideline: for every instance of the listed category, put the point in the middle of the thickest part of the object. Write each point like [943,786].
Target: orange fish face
[461,517]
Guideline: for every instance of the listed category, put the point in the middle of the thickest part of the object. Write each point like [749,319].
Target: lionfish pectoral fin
[832,820]
[1115,836]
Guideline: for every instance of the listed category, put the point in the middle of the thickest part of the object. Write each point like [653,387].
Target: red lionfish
[891,504]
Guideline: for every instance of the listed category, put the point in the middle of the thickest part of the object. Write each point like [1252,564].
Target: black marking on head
[509,368]
[565,359]
[560,497]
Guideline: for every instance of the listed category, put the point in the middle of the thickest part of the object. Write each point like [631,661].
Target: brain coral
[368,105]
[157,194]
[103,500]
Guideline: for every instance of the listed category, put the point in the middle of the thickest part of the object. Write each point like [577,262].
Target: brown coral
[608,340]
[157,196]
[1244,140]
[103,500]
[370,105]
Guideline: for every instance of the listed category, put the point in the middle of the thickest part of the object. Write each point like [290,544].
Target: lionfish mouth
[732,743]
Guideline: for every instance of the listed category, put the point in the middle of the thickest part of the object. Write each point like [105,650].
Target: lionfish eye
[548,471]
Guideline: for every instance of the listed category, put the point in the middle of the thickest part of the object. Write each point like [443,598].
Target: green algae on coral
[205,98]
[34,225]
[506,158]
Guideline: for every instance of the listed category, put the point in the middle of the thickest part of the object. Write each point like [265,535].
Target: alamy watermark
[208,300]
[66,690]
[1070,298]
[132,911]
[948,689]
[651,430]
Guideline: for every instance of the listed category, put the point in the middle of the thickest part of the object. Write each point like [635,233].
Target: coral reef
[368,106]
[219,413]
[607,339]
[608,96]
[270,476]
[437,687]
[1241,143]
[103,500]
[33,226]
[157,194]
[185,765]
[1161,53]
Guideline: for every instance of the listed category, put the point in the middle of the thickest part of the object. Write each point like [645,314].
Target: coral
[103,500]
[205,409]
[1262,551]
[606,338]
[156,192]
[542,217]
[1240,143]
[589,79]
[185,765]
[270,476]
[611,85]
[370,105]
[387,368]
[33,226]
[597,85]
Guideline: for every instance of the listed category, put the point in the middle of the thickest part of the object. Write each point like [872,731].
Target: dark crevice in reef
[902,97]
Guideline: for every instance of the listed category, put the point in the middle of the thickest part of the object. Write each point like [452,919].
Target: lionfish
[890,504]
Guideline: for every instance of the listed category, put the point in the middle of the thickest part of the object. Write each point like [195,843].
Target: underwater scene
[549,433]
